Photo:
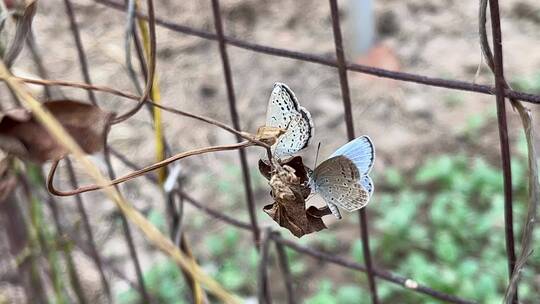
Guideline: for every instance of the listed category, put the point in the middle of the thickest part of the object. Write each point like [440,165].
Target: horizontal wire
[332,62]
[381,273]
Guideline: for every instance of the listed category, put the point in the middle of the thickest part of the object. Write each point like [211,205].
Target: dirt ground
[406,121]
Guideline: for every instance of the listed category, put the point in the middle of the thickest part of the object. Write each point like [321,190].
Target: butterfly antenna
[317,155]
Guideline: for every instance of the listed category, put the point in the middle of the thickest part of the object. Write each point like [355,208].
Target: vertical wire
[127,231]
[234,116]
[263,288]
[88,230]
[345,93]
[286,271]
[86,75]
[500,85]
[80,49]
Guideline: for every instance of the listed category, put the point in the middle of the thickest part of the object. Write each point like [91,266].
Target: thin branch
[132,175]
[58,132]
[151,64]
[110,90]
[80,49]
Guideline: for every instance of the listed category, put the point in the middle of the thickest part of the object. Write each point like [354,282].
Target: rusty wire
[500,90]
[218,24]
[349,122]
[329,61]
[126,230]
[500,85]
[323,256]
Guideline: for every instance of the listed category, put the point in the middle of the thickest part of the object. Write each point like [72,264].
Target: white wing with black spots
[285,112]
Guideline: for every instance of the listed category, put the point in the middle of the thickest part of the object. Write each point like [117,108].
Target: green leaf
[435,169]
[485,287]
[446,248]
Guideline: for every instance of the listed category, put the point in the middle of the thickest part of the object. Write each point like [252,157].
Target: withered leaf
[289,190]
[269,135]
[295,162]
[318,212]
[23,136]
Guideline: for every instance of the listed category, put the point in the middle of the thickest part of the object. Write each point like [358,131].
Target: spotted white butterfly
[285,112]
[342,180]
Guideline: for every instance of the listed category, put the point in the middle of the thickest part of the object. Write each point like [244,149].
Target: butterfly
[284,112]
[343,180]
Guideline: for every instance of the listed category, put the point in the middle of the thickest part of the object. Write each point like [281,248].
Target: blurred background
[437,212]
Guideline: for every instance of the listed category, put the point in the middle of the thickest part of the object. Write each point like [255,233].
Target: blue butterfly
[343,180]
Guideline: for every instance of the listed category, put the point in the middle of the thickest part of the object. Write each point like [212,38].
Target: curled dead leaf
[290,190]
[23,136]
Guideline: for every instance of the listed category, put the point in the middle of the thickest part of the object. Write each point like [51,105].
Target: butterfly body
[342,180]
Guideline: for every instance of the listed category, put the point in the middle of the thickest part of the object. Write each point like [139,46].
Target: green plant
[163,281]
[529,83]
[235,269]
[346,294]
[445,228]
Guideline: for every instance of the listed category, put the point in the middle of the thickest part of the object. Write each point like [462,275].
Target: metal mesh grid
[264,238]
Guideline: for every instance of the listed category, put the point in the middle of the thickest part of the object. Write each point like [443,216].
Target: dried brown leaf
[23,136]
[289,190]
[269,135]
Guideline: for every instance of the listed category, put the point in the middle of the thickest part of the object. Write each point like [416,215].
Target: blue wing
[361,152]
[367,183]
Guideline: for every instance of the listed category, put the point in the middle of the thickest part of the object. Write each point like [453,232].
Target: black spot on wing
[291,96]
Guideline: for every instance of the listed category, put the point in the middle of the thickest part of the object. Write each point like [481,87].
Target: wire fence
[265,238]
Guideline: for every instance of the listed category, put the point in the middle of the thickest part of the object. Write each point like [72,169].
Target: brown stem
[132,175]
[109,90]
[151,63]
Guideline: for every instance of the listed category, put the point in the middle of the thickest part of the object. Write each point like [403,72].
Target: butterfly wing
[285,112]
[337,180]
[360,151]
[367,183]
